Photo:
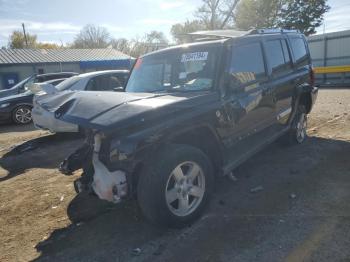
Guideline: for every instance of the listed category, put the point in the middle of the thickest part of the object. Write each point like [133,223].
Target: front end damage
[96,178]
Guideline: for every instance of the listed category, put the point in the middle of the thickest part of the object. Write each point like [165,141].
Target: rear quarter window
[299,51]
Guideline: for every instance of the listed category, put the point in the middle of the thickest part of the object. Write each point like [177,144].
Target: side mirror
[118,89]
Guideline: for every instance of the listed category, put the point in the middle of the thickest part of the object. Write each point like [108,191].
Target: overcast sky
[59,21]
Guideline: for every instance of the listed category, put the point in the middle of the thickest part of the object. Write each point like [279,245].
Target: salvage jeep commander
[190,113]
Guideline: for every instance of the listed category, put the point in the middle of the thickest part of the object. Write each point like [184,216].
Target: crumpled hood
[110,110]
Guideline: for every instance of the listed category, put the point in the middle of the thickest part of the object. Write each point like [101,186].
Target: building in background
[332,52]
[17,64]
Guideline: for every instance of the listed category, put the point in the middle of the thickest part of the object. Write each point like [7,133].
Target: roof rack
[216,34]
[272,31]
[226,34]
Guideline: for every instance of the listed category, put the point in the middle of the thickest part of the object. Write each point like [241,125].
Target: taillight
[312,77]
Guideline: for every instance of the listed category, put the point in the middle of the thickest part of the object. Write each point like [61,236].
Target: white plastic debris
[136,251]
[292,196]
[232,177]
[256,189]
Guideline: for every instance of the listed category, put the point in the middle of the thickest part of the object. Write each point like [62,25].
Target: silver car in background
[43,116]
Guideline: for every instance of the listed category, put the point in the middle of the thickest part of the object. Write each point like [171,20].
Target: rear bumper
[46,120]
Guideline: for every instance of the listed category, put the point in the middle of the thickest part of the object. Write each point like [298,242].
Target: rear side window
[299,51]
[247,64]
[278,56]
[121,78]
[286,53]
[99,83]
[115,81]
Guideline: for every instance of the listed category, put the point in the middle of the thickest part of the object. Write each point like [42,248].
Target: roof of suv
[217,34]
[220,36]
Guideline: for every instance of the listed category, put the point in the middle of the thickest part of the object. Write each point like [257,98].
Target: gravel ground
[302,212]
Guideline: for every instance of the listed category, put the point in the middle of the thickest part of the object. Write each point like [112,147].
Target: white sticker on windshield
[197,56]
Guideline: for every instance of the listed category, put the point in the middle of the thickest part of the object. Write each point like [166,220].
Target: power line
[25,35]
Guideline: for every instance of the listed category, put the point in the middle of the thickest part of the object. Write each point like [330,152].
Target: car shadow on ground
[10,127]
[43,152]
[104,232]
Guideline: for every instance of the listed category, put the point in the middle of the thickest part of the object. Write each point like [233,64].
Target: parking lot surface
[299,212]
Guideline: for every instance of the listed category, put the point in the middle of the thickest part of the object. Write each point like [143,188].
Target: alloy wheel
[23,115]
[185,188]
[301,128]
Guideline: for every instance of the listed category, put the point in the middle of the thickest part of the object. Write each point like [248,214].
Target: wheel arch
[203,138]
[21,104]
[306,101]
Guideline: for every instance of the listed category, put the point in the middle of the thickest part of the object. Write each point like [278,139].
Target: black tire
[152,185]
[22,115]
[297,133]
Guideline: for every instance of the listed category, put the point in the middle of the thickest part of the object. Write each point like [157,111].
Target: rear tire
[175,188]
[297,134]
[22,115]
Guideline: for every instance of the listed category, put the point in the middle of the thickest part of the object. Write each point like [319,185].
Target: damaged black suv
[190,113]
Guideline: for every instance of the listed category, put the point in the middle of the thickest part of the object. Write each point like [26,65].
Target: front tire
[176,186]
[22,115]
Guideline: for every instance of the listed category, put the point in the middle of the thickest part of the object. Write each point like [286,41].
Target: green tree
[257,14]
[305,16]
[289,14]
[17,40]
[92,36]
[47,46]
[179,31]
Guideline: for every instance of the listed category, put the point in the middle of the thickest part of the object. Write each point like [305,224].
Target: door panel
[248,105]
[282,79]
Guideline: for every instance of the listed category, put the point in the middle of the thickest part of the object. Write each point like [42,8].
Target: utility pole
[25,35]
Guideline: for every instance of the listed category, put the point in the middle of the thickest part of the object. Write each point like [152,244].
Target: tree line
[301,15]
[92,36]
[304,16]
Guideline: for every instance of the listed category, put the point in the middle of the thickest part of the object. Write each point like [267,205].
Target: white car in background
[44,118]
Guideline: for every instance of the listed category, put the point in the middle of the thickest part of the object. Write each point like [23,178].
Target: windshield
[22,82]
[185,69]
[68,83]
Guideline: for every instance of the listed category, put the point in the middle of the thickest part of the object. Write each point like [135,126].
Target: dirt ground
[302,212]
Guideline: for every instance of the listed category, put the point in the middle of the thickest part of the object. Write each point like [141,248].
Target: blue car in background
[16,103]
